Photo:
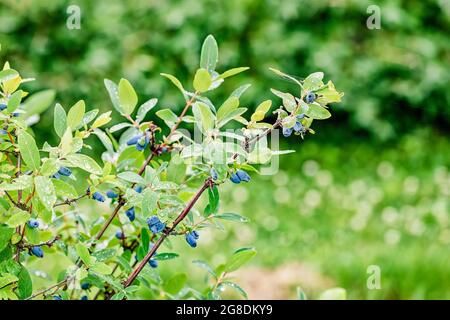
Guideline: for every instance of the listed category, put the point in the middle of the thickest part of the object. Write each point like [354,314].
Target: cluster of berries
[239,175]
[191,238]
[63,171]
[155,225]
[298,127]
[141,140]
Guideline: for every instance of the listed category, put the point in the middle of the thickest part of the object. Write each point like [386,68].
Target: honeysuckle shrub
[146,184]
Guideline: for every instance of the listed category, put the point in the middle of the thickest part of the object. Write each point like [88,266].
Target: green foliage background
[380,192]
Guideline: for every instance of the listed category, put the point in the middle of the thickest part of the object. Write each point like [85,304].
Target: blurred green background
[370,188]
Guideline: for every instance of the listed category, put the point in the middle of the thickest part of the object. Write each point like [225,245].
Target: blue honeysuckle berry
[243,176]
[3,132]
[85,285]
[3,106]
[298,127]
[310,97]
[138,189]
[190,239]
[155,225]
[235,178]
[64,171]
[15,114]
[300,116]
[57,297]
[33,223]
[134,140]
[164,149]
[153,263]
[84,298]
[111,194]
[56,176]
[37,251]
[195,234]
[131,214]
[143,142]
[98,196]
[287,131]
[214,174]
[120,235]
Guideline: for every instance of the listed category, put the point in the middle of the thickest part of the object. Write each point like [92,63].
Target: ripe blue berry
[56,176]
[243,176]
[32,223]
[3,132]
[3,106]
[56,297]
[138,189]
[300,116]
[153,263]
[191,240]
[84,298]
[298,127]
[85,285]
[214,174]
[155,225]
[37,251]
[143,142]
[111,194]
[130,214]
[195,234]
[287,132]
[310,97]
[15,114]
[64,171]
[98,196]
[134,140]
[234,178]
[120,235]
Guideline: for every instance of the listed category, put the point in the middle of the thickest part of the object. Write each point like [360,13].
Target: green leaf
[234,115]
[233,72]
[6,279]
[168,116]
[261,110]
[113,92]
[334,294]
[127,96]
[63,189]
[239,258]
[25,285]
[84,162]
[301,295]
[18,218]
[176,82]
[235,287]
[209,55]
[145,108]
[231,217]
[313,81]
[176,171]
[83,253]
[205,266]
[59,120]
[289,101]
[131,177]
[149,202]
[8,74]
[29,150]
[75,114]
[230,105]
[203,116]
[5,236]
[21,183]
[100,267]
[14,100]
[45,191]
[175,283]
[240,90]
[165,256]
[88,117]
[102,119]
[104,254]
[202,80]
[317,112]
[39,102]
[49,167]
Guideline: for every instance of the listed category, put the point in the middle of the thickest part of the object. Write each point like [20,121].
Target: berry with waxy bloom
[243,176]
[191,239]
[33,223]
[3,106]
[310,97]
[235,178]
[111,194]
[298,126]
[131,214]
[153,263]
[287,131]
[64,171]
[98,196]
[3,132]
[84,298]
[214,174]
[56,297]
[134,140]
[37,251]
[155,225]
[138,189]
[85,285]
